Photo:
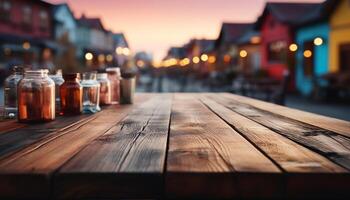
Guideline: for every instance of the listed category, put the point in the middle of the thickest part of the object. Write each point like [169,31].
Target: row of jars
[38,97]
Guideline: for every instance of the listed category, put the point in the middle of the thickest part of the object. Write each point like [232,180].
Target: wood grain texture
[14,140]
[125,162]
[289,155]
[37,162]
[208,159]
[333,146]
[336,125]
[307,174]
[9,125]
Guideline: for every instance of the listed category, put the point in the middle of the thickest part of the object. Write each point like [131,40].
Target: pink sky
[155,25]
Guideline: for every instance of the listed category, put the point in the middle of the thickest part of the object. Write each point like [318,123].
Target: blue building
[312,56]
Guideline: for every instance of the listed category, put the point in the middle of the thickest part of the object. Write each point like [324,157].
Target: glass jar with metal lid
[36,97]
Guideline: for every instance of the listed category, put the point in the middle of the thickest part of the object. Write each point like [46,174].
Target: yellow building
[339,40]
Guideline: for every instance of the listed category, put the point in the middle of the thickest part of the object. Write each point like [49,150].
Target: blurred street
[331,109]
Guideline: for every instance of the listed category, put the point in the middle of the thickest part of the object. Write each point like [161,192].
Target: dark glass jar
[10,92]
[105,89]
[36,97]
[71,94]
[114,78]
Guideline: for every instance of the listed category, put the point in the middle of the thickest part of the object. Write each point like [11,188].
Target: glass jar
[114,78]
[91,93]
[71,94]
[10,92]
[36,97]
[127,88]
[58,79]
[105,89]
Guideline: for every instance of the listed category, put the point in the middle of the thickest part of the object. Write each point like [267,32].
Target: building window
[308,58]
[345,57]
[44,20]
[277,52]
[5,10]
[27,15]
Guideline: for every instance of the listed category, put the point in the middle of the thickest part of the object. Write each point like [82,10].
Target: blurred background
[293,53]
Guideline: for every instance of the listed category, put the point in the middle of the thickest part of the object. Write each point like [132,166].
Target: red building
[26,28]
[276,25]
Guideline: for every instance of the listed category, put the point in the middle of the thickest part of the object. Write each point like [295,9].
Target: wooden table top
[201,145]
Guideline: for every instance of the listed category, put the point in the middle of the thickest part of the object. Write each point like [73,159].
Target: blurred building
[249,52]
[121,48]
[26,33]
[340,37]
[226,45]
[65,23]
[65,34]
[276,25]
[95,43]
[312,46]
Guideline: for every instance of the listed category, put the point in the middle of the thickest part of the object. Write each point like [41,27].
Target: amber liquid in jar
[36,97]
[71,94]
[105,89]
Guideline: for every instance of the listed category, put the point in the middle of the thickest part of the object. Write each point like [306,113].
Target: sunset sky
[155,25]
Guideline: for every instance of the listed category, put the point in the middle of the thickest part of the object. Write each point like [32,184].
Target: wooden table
[178,146]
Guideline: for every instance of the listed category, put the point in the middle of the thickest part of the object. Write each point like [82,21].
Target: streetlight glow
[318,41]
[204,57]
[126,51]
[243,53]
[195,60]
[307,53]
[212,59]
[119,50]
[89,56]
[109,58]
[293,47]
[26,45]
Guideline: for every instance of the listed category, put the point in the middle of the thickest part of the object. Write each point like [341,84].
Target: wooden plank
[333,146]
[27,172]
[332,124]
[126,162]
[208,159]
[19,135]
[16,139]
[300,163]
[291,156]
[9,125]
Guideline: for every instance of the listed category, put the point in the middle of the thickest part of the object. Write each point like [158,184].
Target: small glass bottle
[71,94]
[36,97]
[105,89]
[114,78]
[91,93]
[58,79]
[10,92]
